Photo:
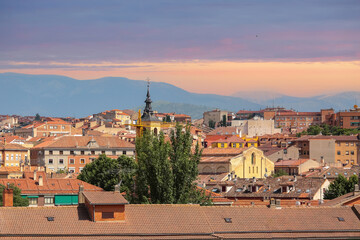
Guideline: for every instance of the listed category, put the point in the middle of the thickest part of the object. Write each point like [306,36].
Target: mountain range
[54,95]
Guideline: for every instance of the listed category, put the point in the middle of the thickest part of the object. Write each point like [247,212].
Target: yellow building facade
[252,163]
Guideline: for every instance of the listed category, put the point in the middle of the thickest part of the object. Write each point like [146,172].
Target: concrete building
[215,116]
[296,166]
[246,163]
[72,153]
[256,127]
[333,150]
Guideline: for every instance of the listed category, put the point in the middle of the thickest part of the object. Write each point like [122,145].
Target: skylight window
[341,219]
[50,219]
[239,190]
[228,220]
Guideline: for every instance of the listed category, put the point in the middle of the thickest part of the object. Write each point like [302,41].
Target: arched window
[253,169]
[257,169]
[253,159]
[155,131]
[249,170]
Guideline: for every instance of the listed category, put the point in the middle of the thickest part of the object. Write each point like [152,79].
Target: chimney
[117,188]
[8,196]
[272,203]
[35,175]
[81,198]
[254,179]
[41,181]
[356,190]
[277,203]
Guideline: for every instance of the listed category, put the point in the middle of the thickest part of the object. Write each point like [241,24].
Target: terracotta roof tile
[105,198]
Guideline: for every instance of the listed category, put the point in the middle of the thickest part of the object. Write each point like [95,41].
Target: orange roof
[12,146]
[82,141]
[292,163]
[50,185]
[222,151]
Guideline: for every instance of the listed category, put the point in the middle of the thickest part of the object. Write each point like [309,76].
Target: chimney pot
[35,175]
[41,181]
[117,188]
[81,198]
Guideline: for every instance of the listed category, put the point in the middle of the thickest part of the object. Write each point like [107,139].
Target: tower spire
[148,114]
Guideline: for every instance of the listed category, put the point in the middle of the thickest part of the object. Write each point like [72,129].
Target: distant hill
[54,95]
[338,101]
[195,111]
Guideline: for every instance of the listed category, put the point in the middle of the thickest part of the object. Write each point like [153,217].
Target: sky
[298,48]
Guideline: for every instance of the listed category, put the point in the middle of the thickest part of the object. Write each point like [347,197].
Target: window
[352,144]
[33,201]
[285,151]
[49,200]
[71,161]
[7,156]
[249,170]
[50,152]
[45,127]
[61,161]
[63,127]
[51,161]
[93,152]
[12,156]
[51,127]
[124,152]
[352,152]
[347,152]
[253,159]
[44,134]
[114,153]
[347,144]
[55,127]
[92,159]
[61,152]
[107,214]
[80,169]
[82,152]
[71,170]
[82,161]
[102,152]
[72,152]
[338,153]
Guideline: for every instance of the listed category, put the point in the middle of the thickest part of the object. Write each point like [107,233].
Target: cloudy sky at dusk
[300,48]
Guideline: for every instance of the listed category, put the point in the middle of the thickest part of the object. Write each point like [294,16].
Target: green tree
[279,173]
[37,117]
[154,179]
[212,123]
[340,186]
[18,201]
[106,172]
[167,171]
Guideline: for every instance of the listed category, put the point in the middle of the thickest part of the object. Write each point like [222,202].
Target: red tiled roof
[206,159]
[82,141]
[50,185]
[105,198]
[183,222]
[290,163]
[222,151]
